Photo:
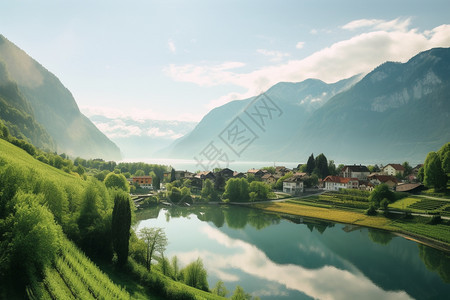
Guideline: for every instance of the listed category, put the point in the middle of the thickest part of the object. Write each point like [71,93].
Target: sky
[177,60]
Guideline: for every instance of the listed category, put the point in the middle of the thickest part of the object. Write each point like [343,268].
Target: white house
[293,185]
[335,183]
[393,169]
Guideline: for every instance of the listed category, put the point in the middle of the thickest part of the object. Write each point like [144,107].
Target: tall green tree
[195,275]
[156,182]
[220,289]
[321,165]
[310,164]
[121,224]
[444,154]
[156,241]
[172,175]
[175,268]
[434,175]
[408,169]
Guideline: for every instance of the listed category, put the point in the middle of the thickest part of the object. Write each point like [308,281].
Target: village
[295,182]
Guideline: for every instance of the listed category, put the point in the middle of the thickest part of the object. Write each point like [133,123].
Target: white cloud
[358,54]
[276,56]
[171,46]
[396,24]
[138,115]
[300,45]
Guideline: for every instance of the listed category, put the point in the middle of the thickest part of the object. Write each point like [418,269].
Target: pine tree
[121,223]
[311,164]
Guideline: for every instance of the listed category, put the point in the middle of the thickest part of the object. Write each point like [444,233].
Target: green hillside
[48,103]
[17,114]
[46,217]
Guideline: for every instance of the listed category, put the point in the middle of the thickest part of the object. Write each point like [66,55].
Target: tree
[155,240]
[33,238]
[172,175]
[259,191]
[208,192]
[240,294]
[220,289]
[219,182]
[408,169]
[270,170]
[379,193]
[195,275]
[113,180]
[139,173]
[156,183]
[332,168]
[434,175]
[165,265]
[175,268]
[444,155]
[279,184]
[321,164]
[310,164]
[121,223]
[236,190]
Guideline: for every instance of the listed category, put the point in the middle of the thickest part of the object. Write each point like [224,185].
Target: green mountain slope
[54,106]
[18,116]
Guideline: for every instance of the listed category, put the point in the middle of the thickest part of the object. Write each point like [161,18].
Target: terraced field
[74,276]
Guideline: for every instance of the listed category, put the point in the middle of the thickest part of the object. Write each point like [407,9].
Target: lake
[288,257]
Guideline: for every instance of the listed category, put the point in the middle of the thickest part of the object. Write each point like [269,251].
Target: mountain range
[398,112]
[36,106]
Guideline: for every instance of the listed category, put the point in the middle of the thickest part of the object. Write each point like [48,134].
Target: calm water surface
[295,258]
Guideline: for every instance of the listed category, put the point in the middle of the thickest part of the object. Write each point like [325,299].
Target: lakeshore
[395,225]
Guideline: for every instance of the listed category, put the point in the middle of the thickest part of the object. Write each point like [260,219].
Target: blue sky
[176,60]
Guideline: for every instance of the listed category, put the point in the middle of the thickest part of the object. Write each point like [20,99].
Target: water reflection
[436,261]
[273,258]
[327,282]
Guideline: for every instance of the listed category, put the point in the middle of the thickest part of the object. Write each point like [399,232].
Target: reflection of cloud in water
[327,282]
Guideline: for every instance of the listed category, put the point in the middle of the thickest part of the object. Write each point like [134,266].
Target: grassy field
[417,226]
[336,215]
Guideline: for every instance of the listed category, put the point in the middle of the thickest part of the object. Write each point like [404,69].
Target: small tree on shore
[155,240]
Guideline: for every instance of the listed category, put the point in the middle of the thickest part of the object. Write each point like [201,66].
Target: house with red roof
[393,169]
[389,180]
[335,183]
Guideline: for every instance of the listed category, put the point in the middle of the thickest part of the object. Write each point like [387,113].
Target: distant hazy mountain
[290,105]
[47,102]
[397,112]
